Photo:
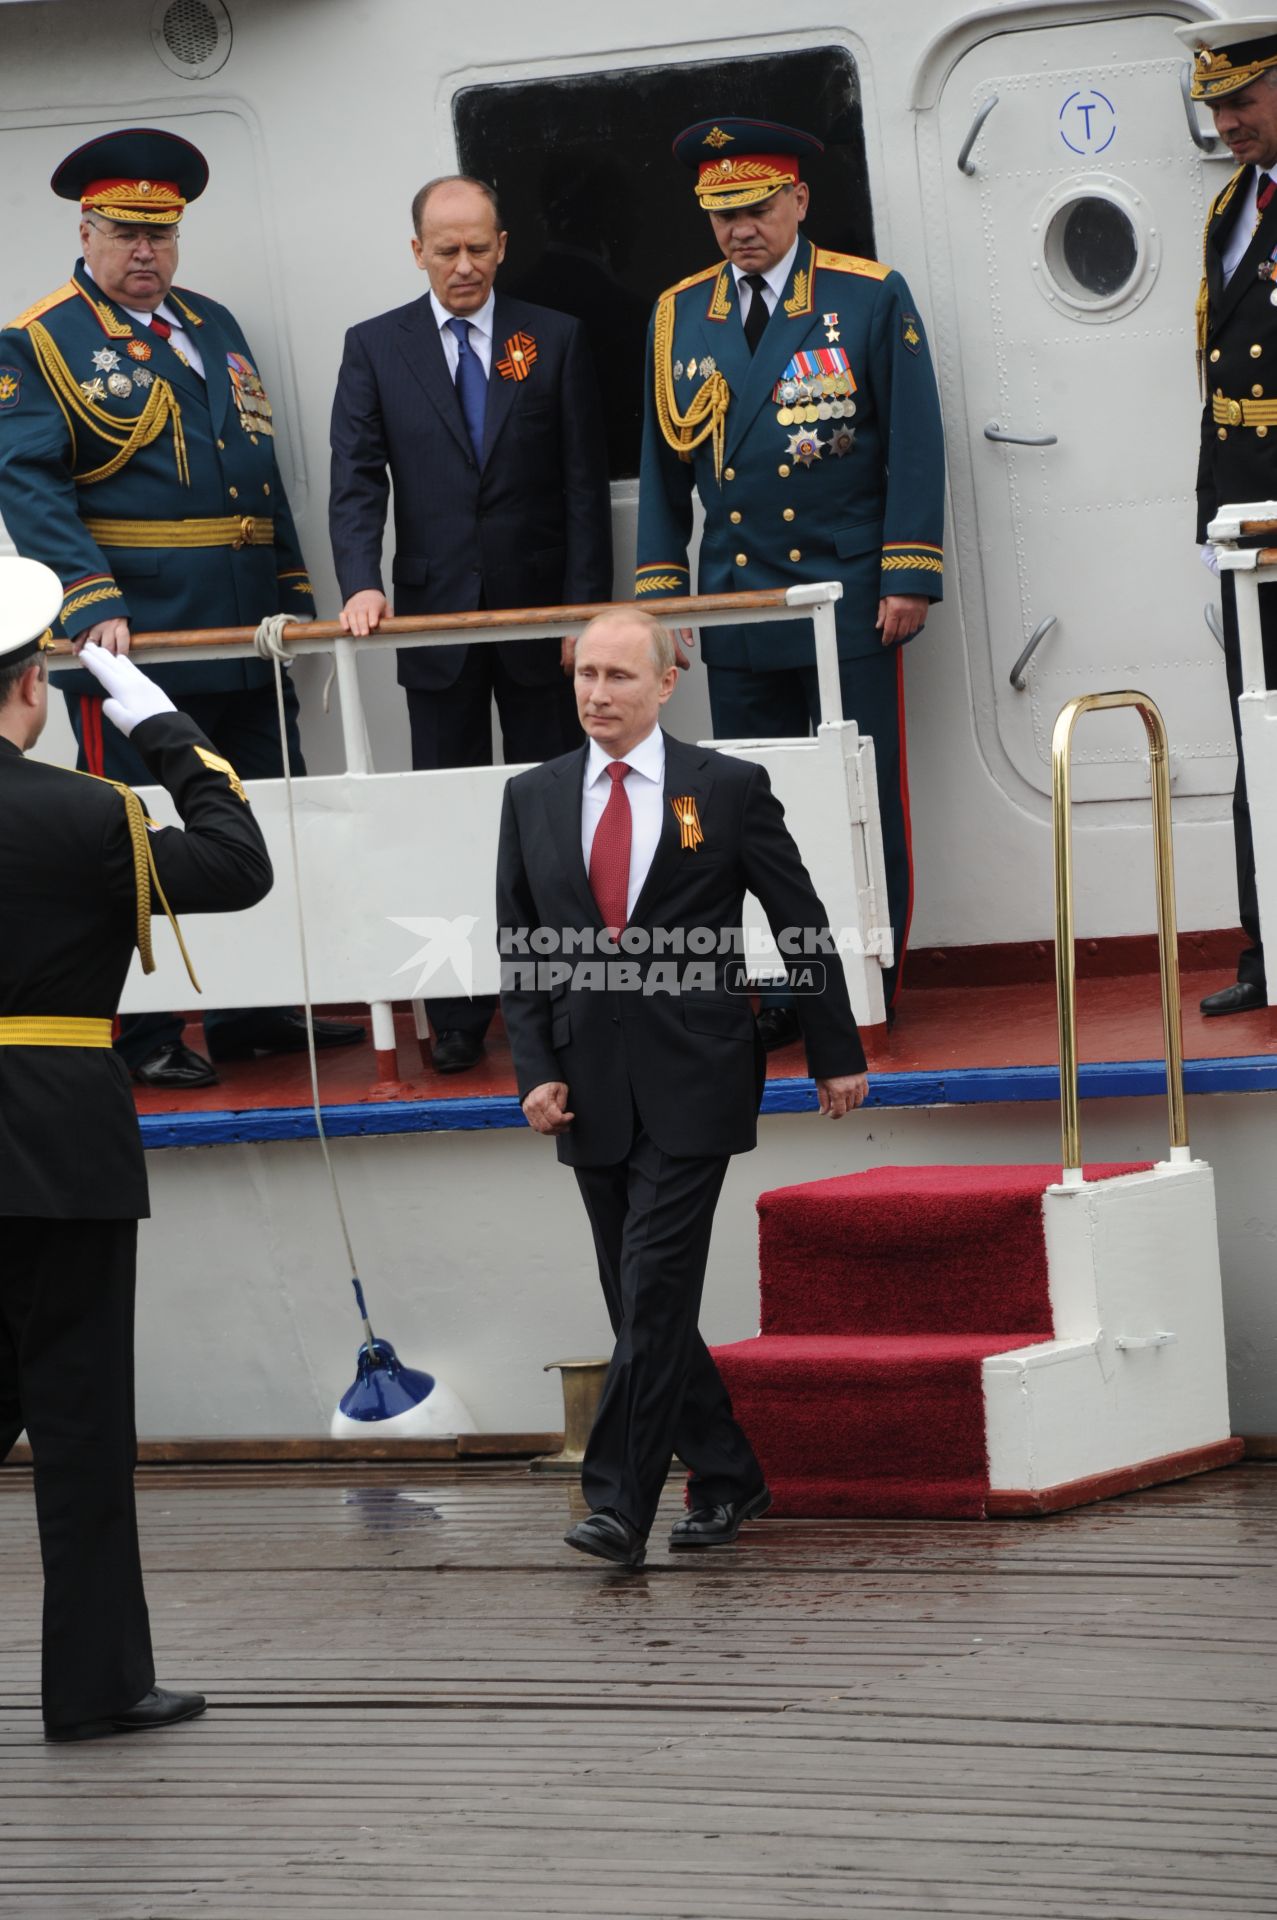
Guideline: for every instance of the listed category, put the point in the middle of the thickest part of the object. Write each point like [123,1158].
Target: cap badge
[717,138]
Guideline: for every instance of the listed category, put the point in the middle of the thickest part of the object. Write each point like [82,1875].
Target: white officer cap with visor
[30,602]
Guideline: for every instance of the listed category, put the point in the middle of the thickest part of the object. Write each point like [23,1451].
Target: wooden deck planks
[426,1705]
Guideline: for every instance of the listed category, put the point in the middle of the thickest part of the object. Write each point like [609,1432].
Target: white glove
[1210,559]
[131,697]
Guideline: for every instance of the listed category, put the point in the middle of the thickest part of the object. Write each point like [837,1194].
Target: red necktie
[610,853]
[160,327]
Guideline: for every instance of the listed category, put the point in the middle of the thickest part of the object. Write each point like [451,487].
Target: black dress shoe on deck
[453,1051]
[158,1708]
[608,1537]
[718,1526]
[175,1067]
[779,1027]
[284,1032]
[1244,996]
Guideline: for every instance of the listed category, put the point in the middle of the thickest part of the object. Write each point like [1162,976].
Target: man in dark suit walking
[645,1064]
[80,874]
[484,413]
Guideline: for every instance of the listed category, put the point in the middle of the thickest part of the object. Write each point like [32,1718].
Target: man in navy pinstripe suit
[484,414]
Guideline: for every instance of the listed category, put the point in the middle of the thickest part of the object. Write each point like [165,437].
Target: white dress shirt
[1242,231]
[180,339]
[773,284]
[479,336]
[644,789]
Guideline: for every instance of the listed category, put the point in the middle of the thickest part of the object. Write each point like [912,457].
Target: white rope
[269,642]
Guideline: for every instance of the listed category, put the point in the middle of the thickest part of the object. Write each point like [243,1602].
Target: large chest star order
[106,360]
[806,447]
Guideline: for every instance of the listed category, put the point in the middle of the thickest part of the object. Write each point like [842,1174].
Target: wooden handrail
[553,619]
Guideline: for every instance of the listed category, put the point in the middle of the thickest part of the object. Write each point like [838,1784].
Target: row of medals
[827,397]
[119,383]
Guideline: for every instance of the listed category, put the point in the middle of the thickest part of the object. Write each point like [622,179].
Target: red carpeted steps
[882,1295]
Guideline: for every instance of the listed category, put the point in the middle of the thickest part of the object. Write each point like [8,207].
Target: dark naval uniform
[819,458]
[1238,461]
[75,899]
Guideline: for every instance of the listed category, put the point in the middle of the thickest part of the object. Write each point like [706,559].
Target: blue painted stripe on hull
[960,1087]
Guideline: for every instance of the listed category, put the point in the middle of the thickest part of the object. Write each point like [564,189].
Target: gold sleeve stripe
[911,563]
[83,600]
[911,546]
[216,764]
[661,583]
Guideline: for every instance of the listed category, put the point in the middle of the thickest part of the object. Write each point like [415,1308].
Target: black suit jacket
[69,1142]
[1236,462]
[529,525]
[691,1064]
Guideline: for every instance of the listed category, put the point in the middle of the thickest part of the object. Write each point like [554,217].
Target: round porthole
[191,37]
[1095,256]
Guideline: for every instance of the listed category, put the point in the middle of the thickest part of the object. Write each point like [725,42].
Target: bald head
[625,673]
[459,242]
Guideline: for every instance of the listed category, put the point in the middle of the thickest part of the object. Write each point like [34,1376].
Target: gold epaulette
[851,263]
[1218,205]
[692,280]
[50,300]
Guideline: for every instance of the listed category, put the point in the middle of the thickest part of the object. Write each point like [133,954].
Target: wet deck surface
[426,1705]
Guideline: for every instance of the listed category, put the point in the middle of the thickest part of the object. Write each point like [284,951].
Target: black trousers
[786,705]
[652,1216]
[244,726]
[452,727]
[66,1374]
[1250,965]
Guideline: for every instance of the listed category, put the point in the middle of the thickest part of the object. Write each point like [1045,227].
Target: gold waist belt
[230,530]
[1243,413]
[23,1030]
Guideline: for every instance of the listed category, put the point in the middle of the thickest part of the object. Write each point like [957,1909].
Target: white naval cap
[1229,54]
[30,602]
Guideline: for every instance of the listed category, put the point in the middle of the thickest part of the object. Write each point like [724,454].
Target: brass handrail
[1167,950]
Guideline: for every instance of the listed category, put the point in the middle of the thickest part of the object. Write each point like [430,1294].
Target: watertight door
[1075,254]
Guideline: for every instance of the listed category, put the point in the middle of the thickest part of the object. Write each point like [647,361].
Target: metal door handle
[994,432]
[965,162]
[1213,621]
[1034,641]
[1207,142]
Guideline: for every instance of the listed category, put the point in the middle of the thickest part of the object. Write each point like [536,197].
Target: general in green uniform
[792,389]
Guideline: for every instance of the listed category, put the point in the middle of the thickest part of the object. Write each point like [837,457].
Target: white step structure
[1252,567]
[398,869]
[1133,1387]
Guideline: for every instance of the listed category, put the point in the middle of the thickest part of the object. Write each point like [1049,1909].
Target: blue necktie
[472,385]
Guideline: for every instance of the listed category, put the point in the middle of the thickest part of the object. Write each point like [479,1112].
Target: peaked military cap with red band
[140,176]
[1229,54]
[739,163]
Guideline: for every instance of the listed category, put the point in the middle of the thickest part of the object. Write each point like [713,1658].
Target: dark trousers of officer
[452,727]
[244,727]
[651,1216]
[66,1374]
[786,705]
[1250,965]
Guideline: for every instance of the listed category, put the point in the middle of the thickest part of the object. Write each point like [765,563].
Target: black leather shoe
[158,1708]
[284,1033]
[453,1051]
[1244,996]
[608,1537]
[718,1526]
[175,1067]
[779,1027]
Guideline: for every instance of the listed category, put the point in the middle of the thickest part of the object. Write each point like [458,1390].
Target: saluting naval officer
[137,459]
[791,387]
[1235,73]
[81,872]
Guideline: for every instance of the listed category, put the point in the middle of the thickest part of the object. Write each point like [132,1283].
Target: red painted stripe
[1016,1503]
[904,805]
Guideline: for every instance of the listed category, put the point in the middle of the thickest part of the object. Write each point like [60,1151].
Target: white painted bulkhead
[304,230]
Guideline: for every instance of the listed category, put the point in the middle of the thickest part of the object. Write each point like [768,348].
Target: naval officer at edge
[81,871]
